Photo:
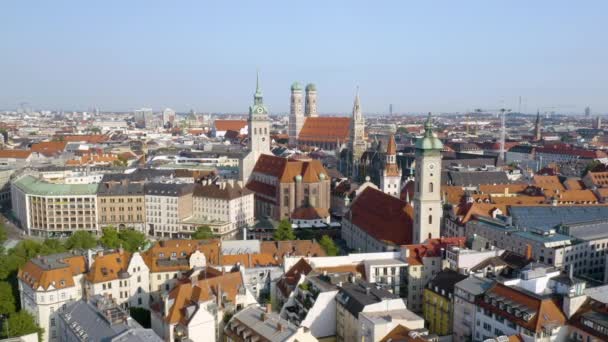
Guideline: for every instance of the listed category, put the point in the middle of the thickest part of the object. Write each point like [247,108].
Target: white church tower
[390,183]
[259,133]
[427,194]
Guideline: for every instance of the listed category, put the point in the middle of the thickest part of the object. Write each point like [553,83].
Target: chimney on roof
[367,290]
[280,327]
[268,308]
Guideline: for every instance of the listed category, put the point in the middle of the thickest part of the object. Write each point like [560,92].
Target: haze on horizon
[440,56]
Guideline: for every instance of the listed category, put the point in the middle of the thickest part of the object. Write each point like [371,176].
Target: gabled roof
[16,154]
[49,148]
[229,125]
[382,216]
[280,249]
[325,129]
[431,248]
[544,311]
[286,170]
[599,179]
[548,182]
[158,256]
[107,267]
[289,280]
[227,286]
[56,270]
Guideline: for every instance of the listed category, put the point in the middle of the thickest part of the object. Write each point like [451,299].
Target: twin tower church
[347,136]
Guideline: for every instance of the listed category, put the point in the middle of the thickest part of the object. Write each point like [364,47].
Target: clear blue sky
[419,55]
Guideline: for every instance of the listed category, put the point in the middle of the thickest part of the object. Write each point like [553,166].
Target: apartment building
[167,205]
[424,262]
[466,292]
[438,305]
[47,284]
[356,298]
[120,203]
[226,207]
[100,319]
[257,323]
[119,275]
[195,309]
[54,210]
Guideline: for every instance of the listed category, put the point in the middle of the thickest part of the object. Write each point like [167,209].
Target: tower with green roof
[258,133]
[311,101]
[296,113]
[427,194]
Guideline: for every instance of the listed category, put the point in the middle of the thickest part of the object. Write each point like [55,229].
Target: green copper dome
[296,86]
[311,87]
[429,141]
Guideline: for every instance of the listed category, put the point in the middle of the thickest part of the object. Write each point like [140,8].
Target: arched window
[431,187]
[430,219]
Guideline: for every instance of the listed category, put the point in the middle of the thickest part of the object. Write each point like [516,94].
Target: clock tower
[427,195]
[258,133]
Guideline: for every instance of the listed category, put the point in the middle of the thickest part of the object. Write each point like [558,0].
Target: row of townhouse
[169,210]
[150,279]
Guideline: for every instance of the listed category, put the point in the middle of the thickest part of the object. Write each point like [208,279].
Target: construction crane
[503,129]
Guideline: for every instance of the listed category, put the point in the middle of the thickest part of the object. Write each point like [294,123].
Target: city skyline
[439,57]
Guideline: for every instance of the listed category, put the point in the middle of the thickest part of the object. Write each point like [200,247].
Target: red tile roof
[49,148]
[547,311]
[17,154]
[290,279]
[286,170]
[325,129]
[432,248]
[384,217]
[229,125]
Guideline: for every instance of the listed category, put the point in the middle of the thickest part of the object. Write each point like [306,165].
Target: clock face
[263,139]
[431,166]
[260,110]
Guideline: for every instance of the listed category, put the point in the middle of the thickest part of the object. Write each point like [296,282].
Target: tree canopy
[284,231]
[328,245]
[7,300]
[203,233]
[22,323]
[129,239]
[81,239]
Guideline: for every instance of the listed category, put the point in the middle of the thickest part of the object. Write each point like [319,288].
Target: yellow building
[438,302]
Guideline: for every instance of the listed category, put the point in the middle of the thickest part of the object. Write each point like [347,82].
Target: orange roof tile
[164,249]
[569,196]
[36,274]
[287,169]
[382,216]
[250,260]
[16,154]
[432,248]
[107,267]
[289,280]
[187,294]
[229,125]
[547,310]
[548,182]
[291,248]
[599,179]
[325,129]
[574,184]
[391,148]
[49,148]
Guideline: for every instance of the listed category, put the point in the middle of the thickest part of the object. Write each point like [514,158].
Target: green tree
[81,239]
[22,323]
[110,238]
[50,246]
[203,233]
[132,240]
[121,161]
[3,234]
[284,231]
[7,300]
[328,245]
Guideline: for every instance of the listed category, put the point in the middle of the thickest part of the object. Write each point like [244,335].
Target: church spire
[258,97]
[357,106]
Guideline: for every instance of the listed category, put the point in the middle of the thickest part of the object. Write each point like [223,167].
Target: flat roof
[34,186]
